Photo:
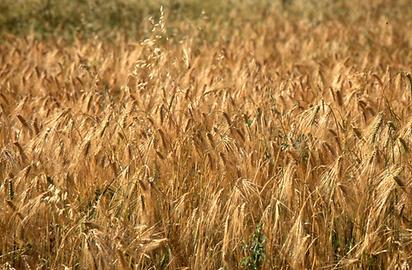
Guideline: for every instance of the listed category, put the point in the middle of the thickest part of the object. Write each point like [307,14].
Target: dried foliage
[168,154]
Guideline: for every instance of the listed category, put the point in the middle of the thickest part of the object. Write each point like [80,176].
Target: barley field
[276,140]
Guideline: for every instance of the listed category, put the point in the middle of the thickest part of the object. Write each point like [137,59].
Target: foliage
[255,250]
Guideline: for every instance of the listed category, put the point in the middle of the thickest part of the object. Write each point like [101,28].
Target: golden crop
[173,154]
